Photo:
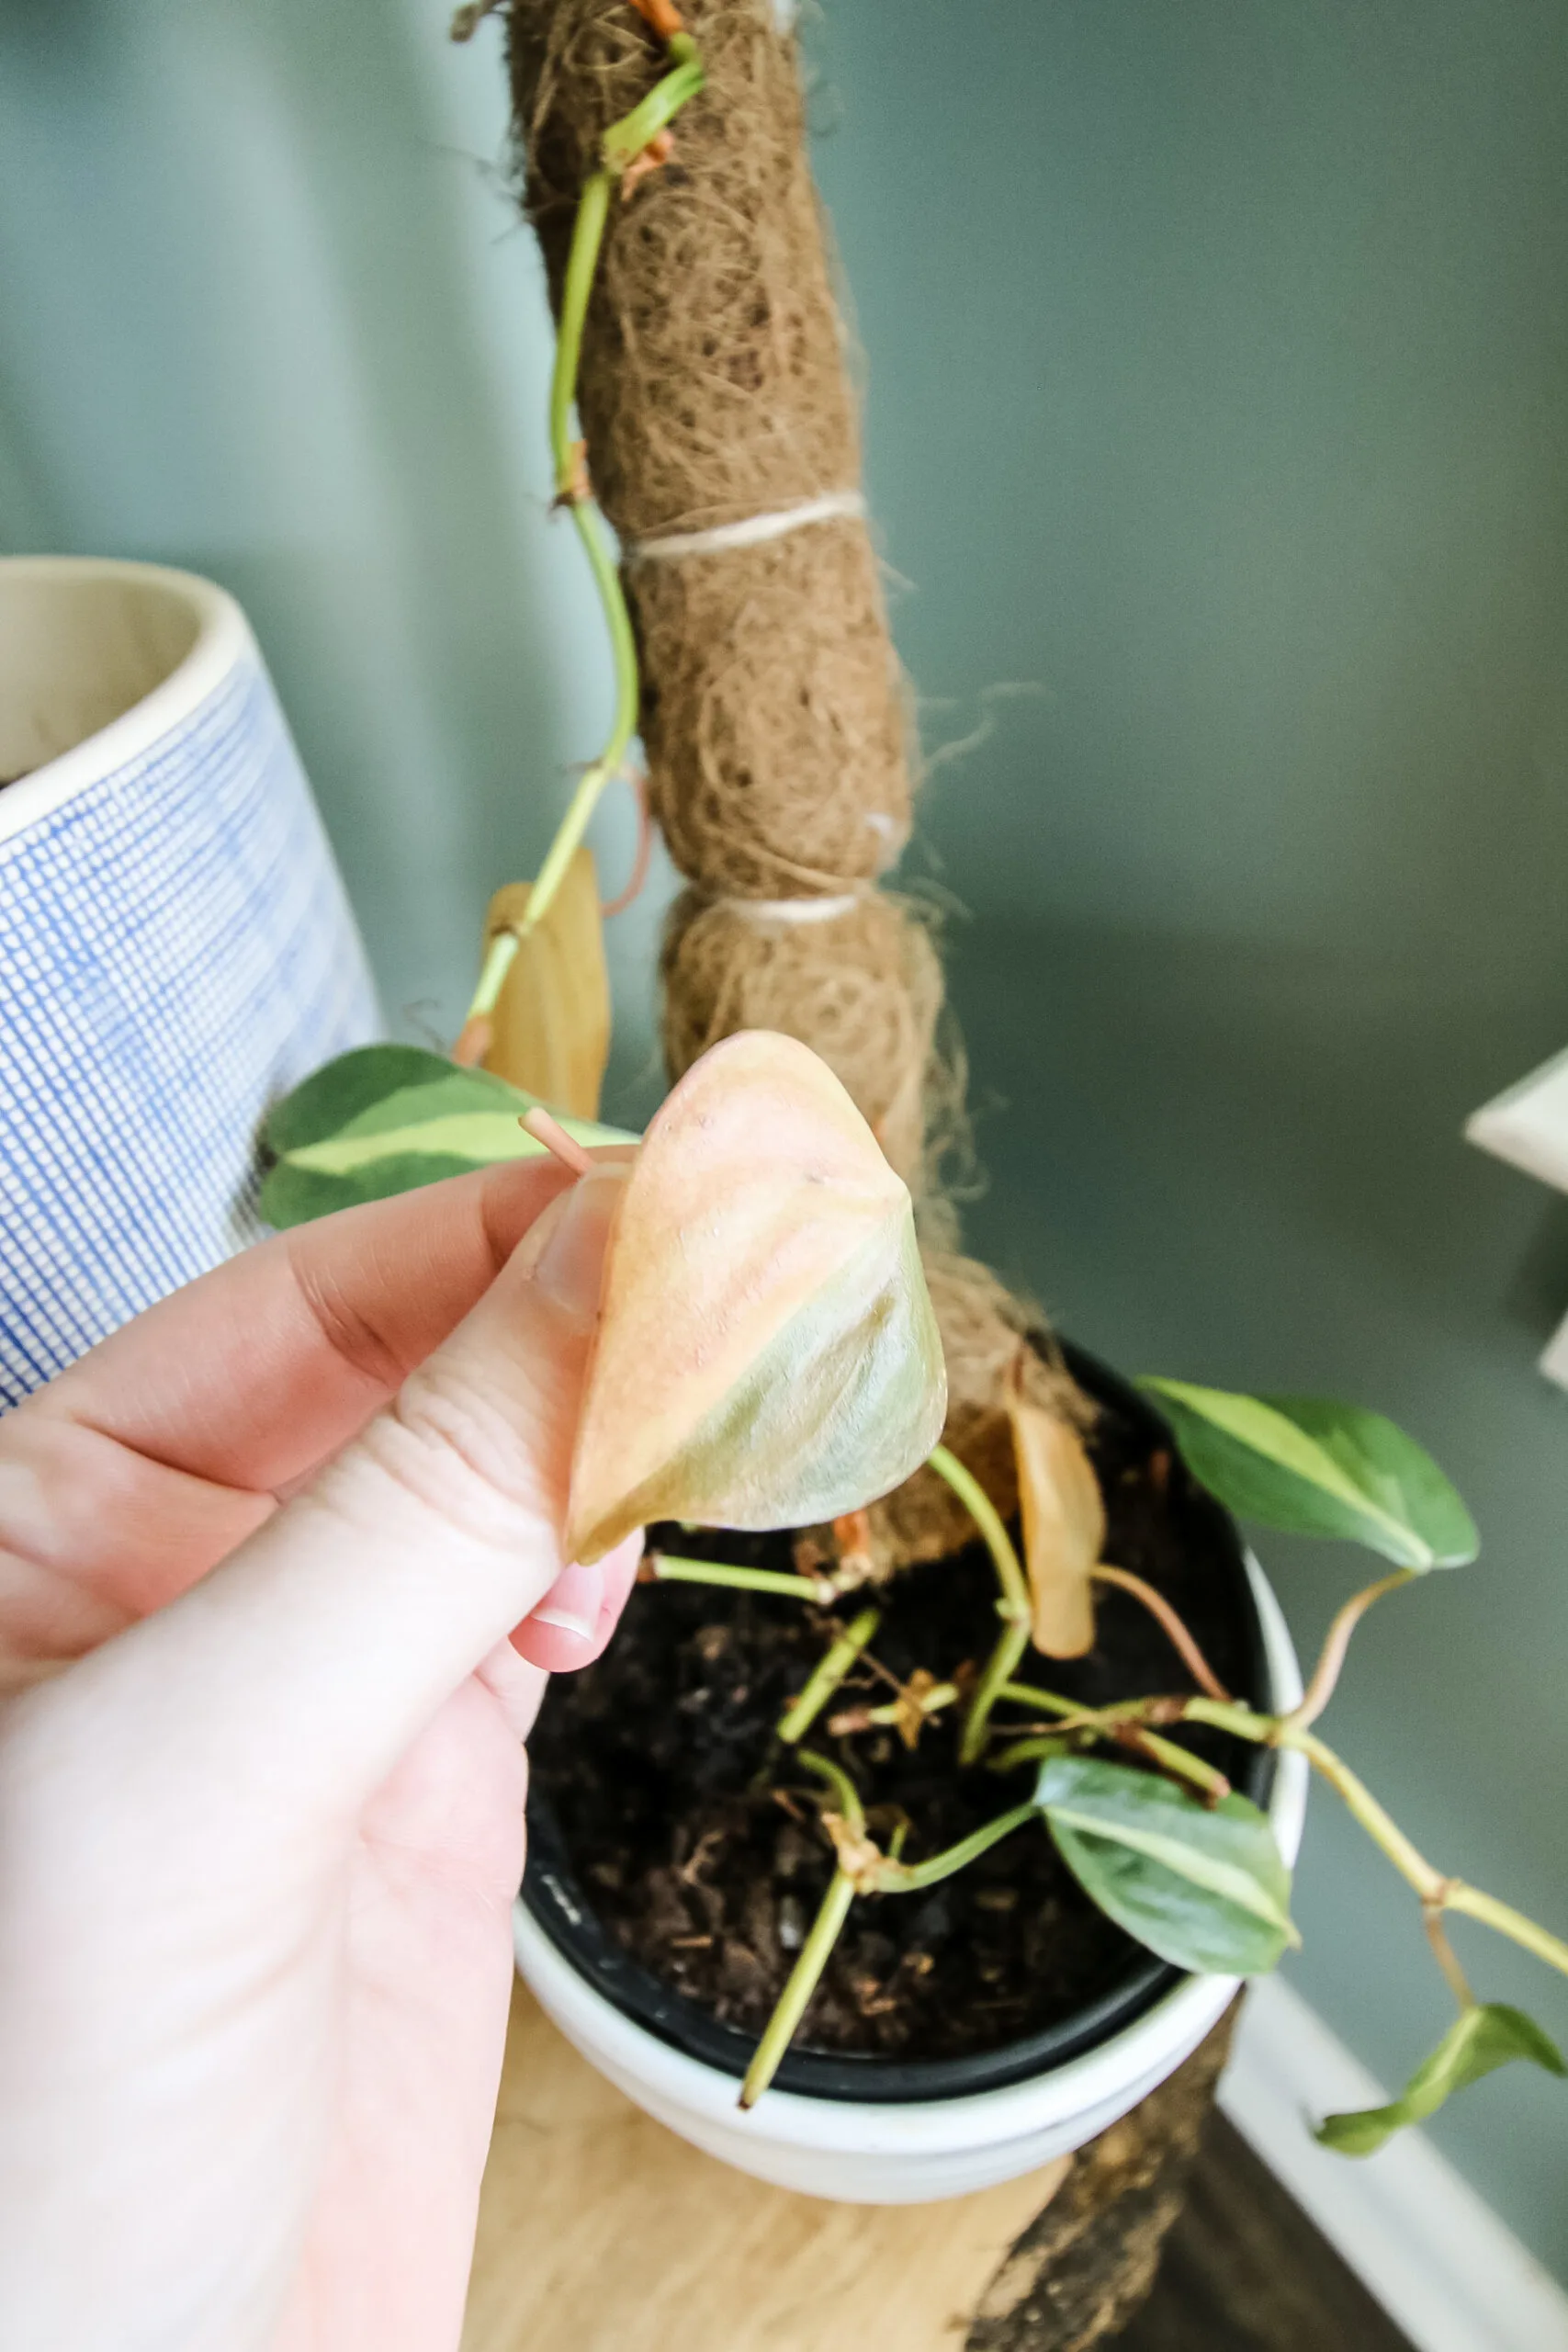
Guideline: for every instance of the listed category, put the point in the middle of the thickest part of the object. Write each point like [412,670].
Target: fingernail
[571,1262]
[574,1602]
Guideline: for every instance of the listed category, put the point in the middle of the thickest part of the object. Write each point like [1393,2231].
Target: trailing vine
[637,143]
[1130,1833]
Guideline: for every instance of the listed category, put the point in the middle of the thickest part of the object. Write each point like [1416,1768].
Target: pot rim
[222,637]
[564,1952]
[649,2067]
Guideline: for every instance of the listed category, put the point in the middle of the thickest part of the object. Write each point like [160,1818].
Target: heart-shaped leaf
[1205,1886]
[385,1118]
[1064,1523]
[767,1355]
[1317,1467]
[1478,2042]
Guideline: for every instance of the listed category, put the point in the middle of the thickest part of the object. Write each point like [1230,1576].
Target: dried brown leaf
[551,1030]
[1064,1523]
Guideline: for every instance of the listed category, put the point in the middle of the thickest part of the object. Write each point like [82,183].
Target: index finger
[134,1472]
[252,1374]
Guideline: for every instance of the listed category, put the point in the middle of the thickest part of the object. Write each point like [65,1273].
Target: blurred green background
[1217,369]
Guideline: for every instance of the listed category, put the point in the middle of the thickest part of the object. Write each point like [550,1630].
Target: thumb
[304,1665]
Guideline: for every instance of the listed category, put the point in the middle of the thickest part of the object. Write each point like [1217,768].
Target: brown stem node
[662,15]
[577,489]
[658,152]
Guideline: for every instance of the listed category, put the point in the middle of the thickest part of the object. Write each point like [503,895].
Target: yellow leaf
[1064,1523]
[550,1029]
[767,1355]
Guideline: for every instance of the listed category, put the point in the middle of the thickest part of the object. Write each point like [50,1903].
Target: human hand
[261,1772]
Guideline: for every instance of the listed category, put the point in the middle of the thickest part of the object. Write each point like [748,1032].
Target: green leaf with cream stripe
[1203,1886]
[387,1118]
[1314,1466]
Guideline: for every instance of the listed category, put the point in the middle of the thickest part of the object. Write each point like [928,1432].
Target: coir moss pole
[722,443]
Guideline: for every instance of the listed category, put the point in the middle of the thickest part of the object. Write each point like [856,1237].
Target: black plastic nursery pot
[594,1761]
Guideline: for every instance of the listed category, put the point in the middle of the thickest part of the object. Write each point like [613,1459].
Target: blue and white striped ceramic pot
[175,948]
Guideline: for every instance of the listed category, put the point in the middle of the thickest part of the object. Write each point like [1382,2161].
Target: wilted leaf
[1480,2040]
[1317,1467]
[385,1118]
[1203,1886]
[767,1354]
[1064,1523]
[550,1029]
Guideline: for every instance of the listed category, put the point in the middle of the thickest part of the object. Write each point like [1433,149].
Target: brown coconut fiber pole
[722,444]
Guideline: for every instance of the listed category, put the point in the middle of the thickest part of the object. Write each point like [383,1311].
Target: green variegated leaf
[1480,2040]
[767,1353]
[1317,1467]
[1203,1886]
[387,1118]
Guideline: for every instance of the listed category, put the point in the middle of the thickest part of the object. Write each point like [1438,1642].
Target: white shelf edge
[1435,2255]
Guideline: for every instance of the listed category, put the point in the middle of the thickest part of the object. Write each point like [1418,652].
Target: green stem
[1458,1896]
[1014,1641]
[829,1671]
[988,1519]
[932,1702]
[1438,1892]
[905,1878]
[592,782]
[1183,1765]
[1276,1731]
[997,1671]
[1363,1806]
[1033,1750]
[815,1951]
[1107,1723]
[583,261]
[634,131]
[846,1797]
[1030,1694]
[1232,1716]
[622,142]
[588,234]
[664,1568]
[804,1979]
[498,962]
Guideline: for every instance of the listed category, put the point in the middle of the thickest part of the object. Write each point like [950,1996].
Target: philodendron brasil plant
[767,1357]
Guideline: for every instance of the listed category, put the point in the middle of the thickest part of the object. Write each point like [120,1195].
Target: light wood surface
[602,2231]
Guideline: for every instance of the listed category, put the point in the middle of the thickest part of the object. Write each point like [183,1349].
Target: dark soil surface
[695,1836]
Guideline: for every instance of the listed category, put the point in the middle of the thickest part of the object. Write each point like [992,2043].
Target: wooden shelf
[602,2231]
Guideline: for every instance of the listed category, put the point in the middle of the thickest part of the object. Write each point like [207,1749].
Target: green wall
[1218,360]
[266,311]
[1218,364]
